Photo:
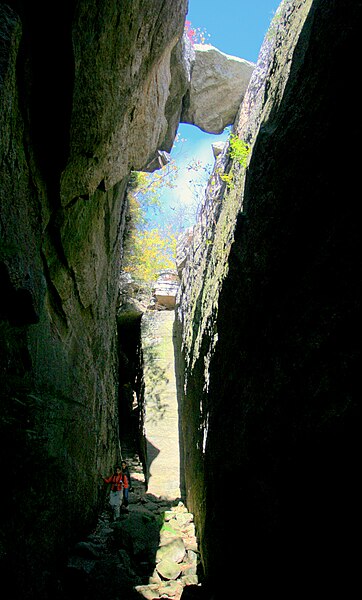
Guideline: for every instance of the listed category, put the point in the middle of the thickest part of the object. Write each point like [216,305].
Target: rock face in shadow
[268,319]
[88,92]
[268,325]
[83,100]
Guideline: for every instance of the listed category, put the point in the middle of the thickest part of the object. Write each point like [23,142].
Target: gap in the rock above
[193,158]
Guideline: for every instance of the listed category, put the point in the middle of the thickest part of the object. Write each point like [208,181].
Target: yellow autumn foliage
[149,252]
[146,252]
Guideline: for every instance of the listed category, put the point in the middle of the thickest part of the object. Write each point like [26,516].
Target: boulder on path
[168,569]
[173,550]
[139,534]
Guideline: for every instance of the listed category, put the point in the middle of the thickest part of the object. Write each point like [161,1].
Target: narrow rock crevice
[150,552]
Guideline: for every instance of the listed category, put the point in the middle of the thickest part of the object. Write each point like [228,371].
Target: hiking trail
[151,552]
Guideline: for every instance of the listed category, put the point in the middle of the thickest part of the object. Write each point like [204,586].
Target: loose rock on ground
[150,552]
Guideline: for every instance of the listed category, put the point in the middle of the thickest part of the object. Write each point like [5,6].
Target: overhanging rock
[218,85]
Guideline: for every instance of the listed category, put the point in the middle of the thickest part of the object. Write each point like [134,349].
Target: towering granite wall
[267,315]
[84,87]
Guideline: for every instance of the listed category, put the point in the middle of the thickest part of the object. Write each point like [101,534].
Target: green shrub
[238,150]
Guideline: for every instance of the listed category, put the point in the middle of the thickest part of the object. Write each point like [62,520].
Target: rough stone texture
[217,148]
[182,60]
[166,289]
[182,249]
[202,261]
[130,381]
[218,84]
[120,91]
[271,353]
[118,559]
[168,569]
[83,100]
[172,550]
[161,422]
[270,378]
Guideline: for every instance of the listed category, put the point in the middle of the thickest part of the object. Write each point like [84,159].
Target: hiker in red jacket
[126,483]
[117,481]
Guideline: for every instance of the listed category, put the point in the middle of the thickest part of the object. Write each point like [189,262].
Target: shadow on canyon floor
[150,552]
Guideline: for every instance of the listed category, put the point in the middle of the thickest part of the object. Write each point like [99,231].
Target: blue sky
[236,27]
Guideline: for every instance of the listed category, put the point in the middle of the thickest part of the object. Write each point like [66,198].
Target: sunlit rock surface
[218,84]
[161,422]
[166,289]
[182,249]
